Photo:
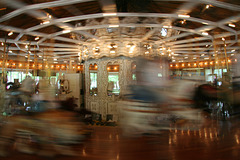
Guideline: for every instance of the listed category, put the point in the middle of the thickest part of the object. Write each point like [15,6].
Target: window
[93,78]
[11,75]
[113,81]
[218,72]
[134,77]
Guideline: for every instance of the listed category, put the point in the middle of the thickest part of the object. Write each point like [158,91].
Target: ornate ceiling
[74,30]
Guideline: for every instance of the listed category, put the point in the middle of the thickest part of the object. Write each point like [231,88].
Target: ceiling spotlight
[183,16]
[223,39]
[113,26]
[183,21]
[109,14]
[167,26]
[36,38]
[205,33]
[207,6]
[45,22]
[231,25]
[205,23]
[66,31]
[10,33]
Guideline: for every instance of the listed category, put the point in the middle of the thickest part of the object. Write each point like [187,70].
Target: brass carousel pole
[28,59]
[216,57]
[225,51]
[3,78]
[35,64]
[2,89]
[4,61]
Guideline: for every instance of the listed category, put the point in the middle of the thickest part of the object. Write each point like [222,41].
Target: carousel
[144,65]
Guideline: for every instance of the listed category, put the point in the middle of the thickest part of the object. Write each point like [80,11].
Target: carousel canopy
[61,31]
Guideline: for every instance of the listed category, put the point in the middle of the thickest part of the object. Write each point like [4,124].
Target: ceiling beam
[42,16]
[212,2]
[27,8]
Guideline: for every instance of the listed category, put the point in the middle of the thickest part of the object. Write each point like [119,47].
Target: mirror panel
[93,90]
[133,67]
[113,80]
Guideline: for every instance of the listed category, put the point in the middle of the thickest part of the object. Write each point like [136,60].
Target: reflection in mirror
[134,77]
[93,79]
[113,80]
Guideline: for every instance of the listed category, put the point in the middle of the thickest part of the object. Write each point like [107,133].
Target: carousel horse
[218,101]
[18,96]
[150,110]
[45,133]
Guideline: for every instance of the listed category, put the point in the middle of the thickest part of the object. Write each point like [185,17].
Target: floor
[219,140]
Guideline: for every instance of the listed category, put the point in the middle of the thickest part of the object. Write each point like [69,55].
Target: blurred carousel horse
[18,97]
[150,110]
[218,101]
[46,133]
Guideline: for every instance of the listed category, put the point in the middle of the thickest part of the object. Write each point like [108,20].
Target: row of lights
[39,66]
[201,64]
[114,68]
